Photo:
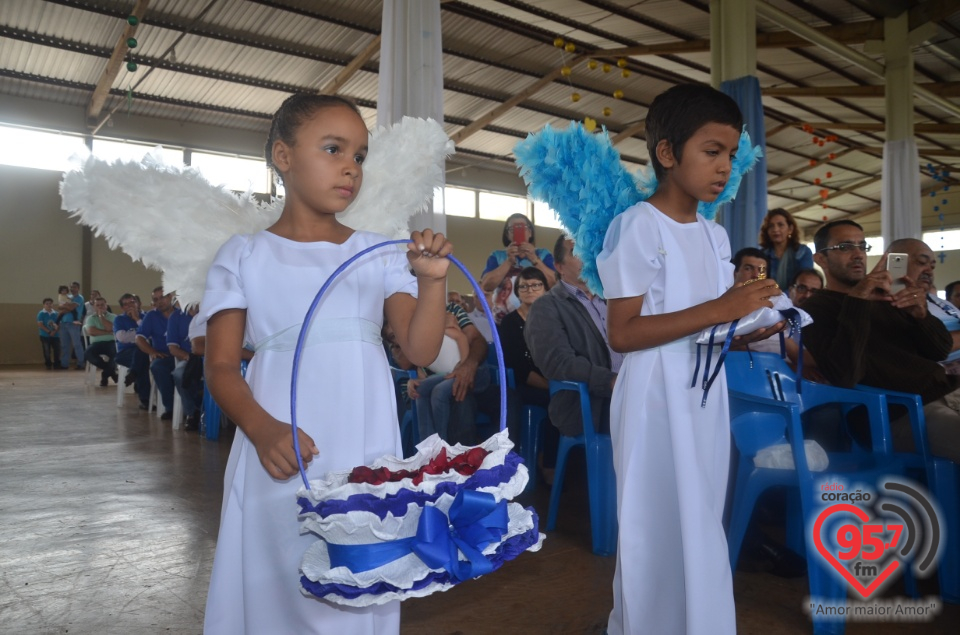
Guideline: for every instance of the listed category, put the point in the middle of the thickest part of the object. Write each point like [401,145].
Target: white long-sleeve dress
[346,403]
[671,456]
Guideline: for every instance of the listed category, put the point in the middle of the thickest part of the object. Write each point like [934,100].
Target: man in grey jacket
[566,332]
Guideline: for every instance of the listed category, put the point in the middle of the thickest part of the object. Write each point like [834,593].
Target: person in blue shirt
[780,240]
[178,341]
[504,265]
[152,341]
[71,321]
[47,323]
[125,327]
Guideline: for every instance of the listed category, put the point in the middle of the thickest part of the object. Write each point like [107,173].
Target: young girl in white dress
[666,274]
[258,291]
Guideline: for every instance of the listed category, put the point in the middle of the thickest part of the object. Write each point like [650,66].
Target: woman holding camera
[520,252]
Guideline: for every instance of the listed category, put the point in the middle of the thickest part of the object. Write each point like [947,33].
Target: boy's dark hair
[529,273]
[125,297]
[808,272]
[294,110]
[45,300]
[560,249]
[822,237]
[63,288]
[949,288]
[751,252]
[160,289]
[508,237]
[677,113]
[74,283]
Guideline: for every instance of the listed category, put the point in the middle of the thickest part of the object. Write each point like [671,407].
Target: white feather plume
[174,220]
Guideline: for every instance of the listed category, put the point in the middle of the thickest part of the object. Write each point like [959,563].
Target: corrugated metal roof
[231,62]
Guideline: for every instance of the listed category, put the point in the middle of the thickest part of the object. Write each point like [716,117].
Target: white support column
[900,201]
[736,35]
[411,74]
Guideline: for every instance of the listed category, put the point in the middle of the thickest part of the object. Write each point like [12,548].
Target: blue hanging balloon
[940,216]
[936,208]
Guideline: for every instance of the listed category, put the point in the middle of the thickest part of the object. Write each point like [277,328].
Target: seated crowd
[867,329]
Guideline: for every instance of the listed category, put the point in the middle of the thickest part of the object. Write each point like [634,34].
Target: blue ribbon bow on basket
[396,540]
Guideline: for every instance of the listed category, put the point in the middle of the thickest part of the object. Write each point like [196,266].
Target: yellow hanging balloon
[625,73]
[566,71]
[558,42]
[570,47]
[590,124]
[606,68]
[607,111]
[592,65]
[575,97]
[618,94]
[622,62]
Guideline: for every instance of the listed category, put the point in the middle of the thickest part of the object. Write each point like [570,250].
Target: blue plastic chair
[943,481]
[765,408]
[531,435]
[409,427]
[601,481]
[212,415]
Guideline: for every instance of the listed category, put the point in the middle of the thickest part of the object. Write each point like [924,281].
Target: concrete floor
[108,522]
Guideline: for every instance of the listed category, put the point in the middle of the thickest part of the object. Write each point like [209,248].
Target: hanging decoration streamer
[940,175]
[566,71]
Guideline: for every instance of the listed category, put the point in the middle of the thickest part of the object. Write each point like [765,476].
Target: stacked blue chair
[601,481]
[943,478]
[765,409]
[409,426]
[531,433]
[211,411]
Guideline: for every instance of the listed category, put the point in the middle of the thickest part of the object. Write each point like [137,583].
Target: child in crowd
[666,273]
[258,287]
[49,340]
[63,297]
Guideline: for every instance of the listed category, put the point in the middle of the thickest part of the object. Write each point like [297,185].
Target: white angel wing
[172,219]
[404,166]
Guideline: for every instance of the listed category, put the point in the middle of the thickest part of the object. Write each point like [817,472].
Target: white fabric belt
[683,345]
[323,331]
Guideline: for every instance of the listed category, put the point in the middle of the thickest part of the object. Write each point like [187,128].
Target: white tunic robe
[671,456]
[346,403]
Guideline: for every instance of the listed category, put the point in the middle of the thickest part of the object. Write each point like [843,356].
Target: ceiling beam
[348,71]
[847,190]
[876,208]
[931,11]
[793,173]
[500,109]
[855,33]
[790,23]
[112,69]
[946,89]
[629,131]
[933,128]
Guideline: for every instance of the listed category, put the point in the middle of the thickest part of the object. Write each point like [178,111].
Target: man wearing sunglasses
[864,334]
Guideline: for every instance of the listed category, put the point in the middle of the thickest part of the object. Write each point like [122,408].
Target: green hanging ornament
[131,66]
[132,42]
[133,20]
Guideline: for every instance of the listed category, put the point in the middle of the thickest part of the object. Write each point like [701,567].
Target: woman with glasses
[780,240]
[532,386]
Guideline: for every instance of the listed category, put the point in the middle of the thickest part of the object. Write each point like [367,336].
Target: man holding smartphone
[863,333]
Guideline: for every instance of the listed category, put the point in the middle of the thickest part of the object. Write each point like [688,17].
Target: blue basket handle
[301,340]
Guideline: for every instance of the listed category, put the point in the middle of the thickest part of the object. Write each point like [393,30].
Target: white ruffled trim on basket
[403,573]
[334,485]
